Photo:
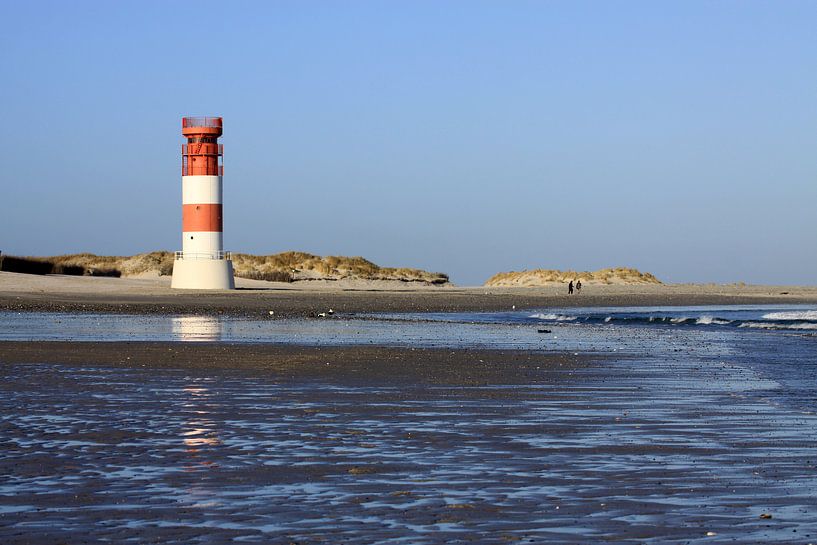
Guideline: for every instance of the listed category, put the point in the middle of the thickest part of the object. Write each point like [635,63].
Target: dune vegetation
[543,277]
[303,266]
[283,267]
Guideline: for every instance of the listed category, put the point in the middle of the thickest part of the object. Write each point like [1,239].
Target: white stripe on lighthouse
[202,190]
[202,244]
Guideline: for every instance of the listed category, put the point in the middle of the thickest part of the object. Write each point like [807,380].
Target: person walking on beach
[578,286]
[570,288]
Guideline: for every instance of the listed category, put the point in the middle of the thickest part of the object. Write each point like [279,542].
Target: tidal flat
[634,425]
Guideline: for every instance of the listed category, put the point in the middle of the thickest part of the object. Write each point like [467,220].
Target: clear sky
[466,137]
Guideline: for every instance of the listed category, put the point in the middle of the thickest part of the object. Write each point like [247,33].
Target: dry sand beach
[254,297]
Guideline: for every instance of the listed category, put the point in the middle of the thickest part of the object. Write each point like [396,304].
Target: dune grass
[283,267]
[541,277]
[162,262]
[304,266]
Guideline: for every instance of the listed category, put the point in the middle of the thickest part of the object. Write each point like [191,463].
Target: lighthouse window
[191,238]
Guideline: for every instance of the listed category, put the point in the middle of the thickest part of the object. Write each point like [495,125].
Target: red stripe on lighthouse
[202,217]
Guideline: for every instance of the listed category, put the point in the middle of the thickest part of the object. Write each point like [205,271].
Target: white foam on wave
[792,315]
[553,317]
[679,320]
[766,325]
[711,320]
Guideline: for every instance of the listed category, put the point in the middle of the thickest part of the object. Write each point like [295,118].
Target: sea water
[488,329]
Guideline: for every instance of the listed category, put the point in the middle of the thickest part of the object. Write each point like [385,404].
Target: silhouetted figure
[570,288]
[578,286]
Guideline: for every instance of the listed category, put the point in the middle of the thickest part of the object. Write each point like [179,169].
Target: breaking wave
[709,320]
[773,325]
[554,317]
[780,320]
[807,315]
[625,319]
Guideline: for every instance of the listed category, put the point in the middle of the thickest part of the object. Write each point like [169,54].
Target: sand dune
[283,267]
[544,277]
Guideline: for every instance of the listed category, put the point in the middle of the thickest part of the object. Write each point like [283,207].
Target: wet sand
[208,443]
[20,292]
[338,364]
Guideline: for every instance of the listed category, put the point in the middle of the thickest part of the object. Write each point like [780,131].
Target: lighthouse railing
[204,255]
[201,122]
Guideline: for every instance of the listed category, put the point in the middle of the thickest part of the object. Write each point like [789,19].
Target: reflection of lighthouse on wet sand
[199,435]
[202,263]
[196,328]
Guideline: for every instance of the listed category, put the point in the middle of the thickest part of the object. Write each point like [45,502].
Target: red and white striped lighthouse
[202,263]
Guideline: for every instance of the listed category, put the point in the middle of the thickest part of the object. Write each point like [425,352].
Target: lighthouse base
[203,274]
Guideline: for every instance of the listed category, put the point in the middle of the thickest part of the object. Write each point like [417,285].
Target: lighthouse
[202,264]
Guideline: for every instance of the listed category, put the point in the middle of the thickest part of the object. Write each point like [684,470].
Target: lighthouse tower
[202,264]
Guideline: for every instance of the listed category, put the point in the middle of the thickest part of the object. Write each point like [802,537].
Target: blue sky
[465,137]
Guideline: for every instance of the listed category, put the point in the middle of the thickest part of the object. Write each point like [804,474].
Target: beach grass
[541,277]
[281,267]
